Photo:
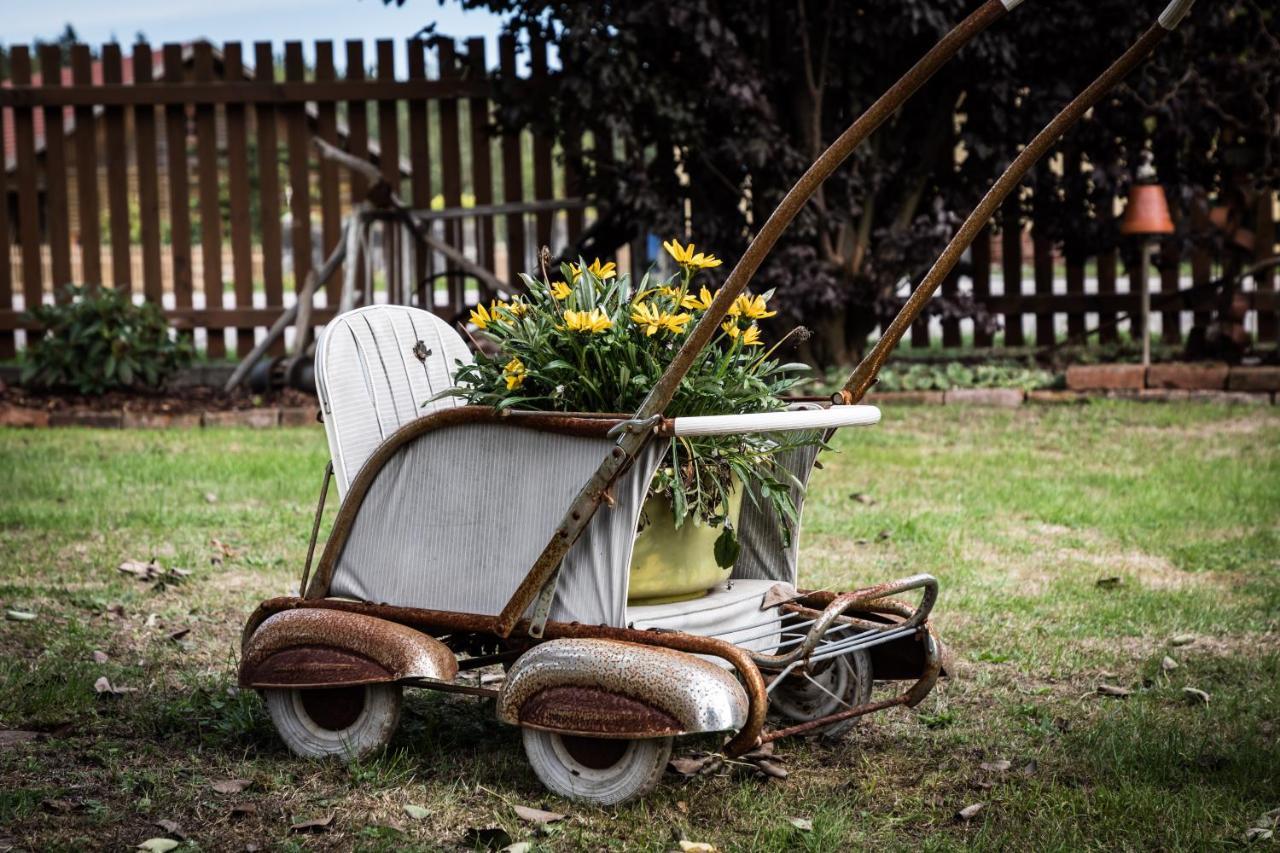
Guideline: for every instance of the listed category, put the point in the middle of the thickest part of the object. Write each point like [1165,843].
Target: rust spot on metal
[309,666]
[588,711]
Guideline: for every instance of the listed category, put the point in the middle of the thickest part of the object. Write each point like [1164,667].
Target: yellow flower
[591,322]
[701,302]
[600,271]
[481,318]
[730,328]
[675,323]
[560,290]
[751,337]
[515,372]
[516,307]
[647,318]
[752,307]
[685,257]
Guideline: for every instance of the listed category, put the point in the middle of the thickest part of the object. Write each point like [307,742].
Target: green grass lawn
[1019,514]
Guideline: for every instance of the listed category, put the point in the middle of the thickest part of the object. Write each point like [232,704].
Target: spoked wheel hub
[837,685]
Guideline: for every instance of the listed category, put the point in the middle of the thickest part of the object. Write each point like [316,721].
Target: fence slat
[117,176]
[1170,320]
[266,132]
[90,230]
[330,200]
[451,174]
[982,281]
[542,186]
[1042,248]
[1264,247]
[481,159]
[57,210]
[8,346]
[358,146]
[951,326]
[1011,266]
[512,171]
[238,198]
[28,191]
[175,134]
[207,188]
[1108,262]
[146,155]
[1201,261]
[299,169]
[420,163]
[389,158]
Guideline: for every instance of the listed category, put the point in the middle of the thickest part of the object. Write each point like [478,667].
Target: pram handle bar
[803,419]
[584,506]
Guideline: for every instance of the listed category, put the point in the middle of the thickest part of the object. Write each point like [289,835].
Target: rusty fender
[330,648]
[608,688]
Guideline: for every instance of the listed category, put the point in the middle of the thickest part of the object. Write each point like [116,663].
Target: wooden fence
[185,176]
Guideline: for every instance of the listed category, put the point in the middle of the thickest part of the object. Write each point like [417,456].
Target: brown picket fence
[224,231]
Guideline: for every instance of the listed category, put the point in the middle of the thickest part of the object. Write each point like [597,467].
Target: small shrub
[98,341]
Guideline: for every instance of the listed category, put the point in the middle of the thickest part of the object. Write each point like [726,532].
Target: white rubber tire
[848,677]
[636,770]
[365,725]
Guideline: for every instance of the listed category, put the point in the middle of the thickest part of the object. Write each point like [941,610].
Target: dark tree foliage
[717,107]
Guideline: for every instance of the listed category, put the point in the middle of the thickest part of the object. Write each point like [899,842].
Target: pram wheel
[349,722]
[843,683]
[605,771]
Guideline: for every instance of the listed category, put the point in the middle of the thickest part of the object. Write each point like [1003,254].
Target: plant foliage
[593,342]
[96,340]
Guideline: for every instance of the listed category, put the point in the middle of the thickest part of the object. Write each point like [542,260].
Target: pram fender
[607,688]
[330,648]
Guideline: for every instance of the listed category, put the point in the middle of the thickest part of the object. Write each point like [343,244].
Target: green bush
[97,340]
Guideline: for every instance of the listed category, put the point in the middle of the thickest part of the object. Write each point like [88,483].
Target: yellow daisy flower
[597,269]
[701,302]
[481,318]
[730,328]
[560,290]
[592,322]
[675,323]
[685,257]
[647,318]
[514,371]
[752,307]
[751,337]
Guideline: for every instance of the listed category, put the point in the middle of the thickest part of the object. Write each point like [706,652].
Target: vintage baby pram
[427,572]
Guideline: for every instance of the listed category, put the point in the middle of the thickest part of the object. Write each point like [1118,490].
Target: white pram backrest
[375,368]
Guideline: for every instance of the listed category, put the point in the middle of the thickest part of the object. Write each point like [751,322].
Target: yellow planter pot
[669,564]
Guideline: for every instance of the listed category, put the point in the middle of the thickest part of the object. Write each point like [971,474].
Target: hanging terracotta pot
[1147,211]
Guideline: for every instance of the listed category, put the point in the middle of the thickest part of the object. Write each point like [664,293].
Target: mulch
[192,400]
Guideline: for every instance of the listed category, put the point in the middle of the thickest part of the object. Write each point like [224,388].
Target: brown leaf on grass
[777,594]
[1112,690]
[9,737]
[179,634]
[1108,583]
[210,498]
[538,816]
[999,766]
[771,768]
[518,847]
[240,810]
[158,845]
[884,535]
[1168,664]
[416,812]
[222,552]
[56,806]
[764,750]
[863,498]
[319,824]
[696,847]
[970,812]
[230,786]
[1182,640]
[147,571]
[682,807]
[100,657]
[690,765]
[105,688]
[172,828]
[115,611]
[802,823]
[1195,696]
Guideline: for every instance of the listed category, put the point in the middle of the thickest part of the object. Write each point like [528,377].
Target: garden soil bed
[192,400]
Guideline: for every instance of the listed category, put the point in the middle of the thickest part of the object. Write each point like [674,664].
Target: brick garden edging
[266,418]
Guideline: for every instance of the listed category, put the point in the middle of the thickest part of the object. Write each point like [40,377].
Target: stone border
[266,418]
[1011,398]
[1174,376]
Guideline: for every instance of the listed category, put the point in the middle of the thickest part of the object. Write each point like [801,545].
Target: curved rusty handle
[588,500]
[864,376]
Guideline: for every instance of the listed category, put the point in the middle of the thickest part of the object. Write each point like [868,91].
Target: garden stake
[864,376]
[543,571]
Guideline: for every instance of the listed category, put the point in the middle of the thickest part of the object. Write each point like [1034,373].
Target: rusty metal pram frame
[571,678]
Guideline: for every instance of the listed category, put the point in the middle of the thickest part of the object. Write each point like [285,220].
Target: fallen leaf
[697,847]
[416,812]
[488,837]
[764,750]
[771,768]
[1112,690]
[996,766]
[158,845]
[1168,664]
[682,807]
[115,611]
[210,498]
[104,687]
[777,594]
[100,657]
[171,827]
[1195,696]
[19,616]
[536,815]
[1182,640]
[884,535]
[518,847]
[1030,768]
[1257,833]
[863,498]
[1107,583]
[230,786]
[179,634]
[802,823]
[688,765]
[8,737]
[970,812]
[56,806]
[147,571]
[240,810]
[320,824]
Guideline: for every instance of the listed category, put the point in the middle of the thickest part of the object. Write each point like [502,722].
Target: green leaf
[727,548]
